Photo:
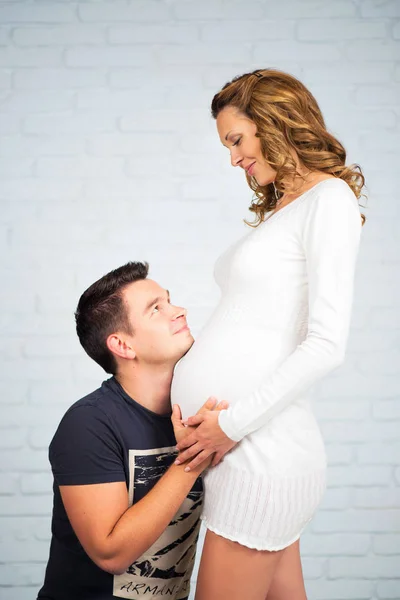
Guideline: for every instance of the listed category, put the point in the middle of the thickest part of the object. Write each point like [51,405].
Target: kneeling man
[125,518]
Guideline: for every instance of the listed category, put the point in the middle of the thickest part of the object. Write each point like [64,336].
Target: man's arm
[112,534]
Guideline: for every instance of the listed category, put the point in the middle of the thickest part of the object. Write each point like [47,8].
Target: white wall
[108,154]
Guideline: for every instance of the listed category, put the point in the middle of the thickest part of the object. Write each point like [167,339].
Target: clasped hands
[206,439]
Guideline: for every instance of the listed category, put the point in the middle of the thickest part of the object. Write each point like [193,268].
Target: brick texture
[108,153]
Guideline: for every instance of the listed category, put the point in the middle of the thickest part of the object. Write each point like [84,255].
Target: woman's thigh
[231,571]
[287,582]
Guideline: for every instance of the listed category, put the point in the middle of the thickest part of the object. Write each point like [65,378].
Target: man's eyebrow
[155,301]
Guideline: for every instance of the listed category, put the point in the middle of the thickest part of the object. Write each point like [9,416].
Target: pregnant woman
[281,324]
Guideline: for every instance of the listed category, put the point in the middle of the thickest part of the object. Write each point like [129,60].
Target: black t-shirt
[107,437]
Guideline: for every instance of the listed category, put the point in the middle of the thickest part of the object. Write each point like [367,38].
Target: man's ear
[119,345]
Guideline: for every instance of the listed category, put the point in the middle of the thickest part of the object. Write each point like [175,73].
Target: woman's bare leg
[288,582]
[230,571]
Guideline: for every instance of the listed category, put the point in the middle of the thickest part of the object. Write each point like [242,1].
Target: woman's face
[238,133]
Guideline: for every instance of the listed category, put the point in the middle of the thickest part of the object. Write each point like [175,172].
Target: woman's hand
[206,439]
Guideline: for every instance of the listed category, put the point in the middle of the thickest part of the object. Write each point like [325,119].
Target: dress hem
[252,546]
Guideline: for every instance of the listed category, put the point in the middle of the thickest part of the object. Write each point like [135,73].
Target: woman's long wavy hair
[287,118]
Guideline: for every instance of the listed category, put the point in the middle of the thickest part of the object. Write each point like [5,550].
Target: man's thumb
[176,416]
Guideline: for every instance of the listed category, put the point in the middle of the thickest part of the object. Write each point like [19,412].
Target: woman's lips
[251,169]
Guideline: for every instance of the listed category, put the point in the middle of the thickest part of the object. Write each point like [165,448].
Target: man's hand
[206,439]
[113,534]
[182,431]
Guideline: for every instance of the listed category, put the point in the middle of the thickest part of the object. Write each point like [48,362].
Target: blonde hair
[287,118]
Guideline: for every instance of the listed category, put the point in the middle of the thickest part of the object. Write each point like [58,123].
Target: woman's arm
[330,238]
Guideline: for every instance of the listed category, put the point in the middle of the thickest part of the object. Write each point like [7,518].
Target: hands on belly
[207,439]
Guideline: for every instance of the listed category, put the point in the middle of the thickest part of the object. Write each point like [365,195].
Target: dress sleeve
[85,449]
[330,237]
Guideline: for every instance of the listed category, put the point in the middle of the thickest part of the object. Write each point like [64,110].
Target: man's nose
[179,312]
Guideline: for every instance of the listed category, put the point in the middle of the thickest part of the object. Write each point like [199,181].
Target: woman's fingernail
[177,462]
[187,469]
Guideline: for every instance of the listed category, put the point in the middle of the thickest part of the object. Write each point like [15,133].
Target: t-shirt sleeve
[85,449]
[330,238]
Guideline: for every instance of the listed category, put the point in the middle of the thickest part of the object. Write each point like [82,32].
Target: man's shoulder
[87,446]
[99,406]
[108,413]
[108,409]
[98,399]
[104,399]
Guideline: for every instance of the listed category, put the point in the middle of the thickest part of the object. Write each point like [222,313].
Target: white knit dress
[281,324]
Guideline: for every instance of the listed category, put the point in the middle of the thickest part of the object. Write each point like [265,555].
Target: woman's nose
[235,159]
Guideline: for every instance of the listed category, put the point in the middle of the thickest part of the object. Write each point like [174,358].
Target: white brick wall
[108,153]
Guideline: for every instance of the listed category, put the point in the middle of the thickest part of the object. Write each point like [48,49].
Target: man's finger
[198,460]
[216,460]
[187,442]
[222,405]
[189,453]
[176,413]
[193,421]
[176,417]
[208,405]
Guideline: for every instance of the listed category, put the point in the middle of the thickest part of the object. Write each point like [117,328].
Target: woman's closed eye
[237,142]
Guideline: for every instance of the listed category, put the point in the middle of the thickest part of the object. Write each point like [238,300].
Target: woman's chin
[263,181]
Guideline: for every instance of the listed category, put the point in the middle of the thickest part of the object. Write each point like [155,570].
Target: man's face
[160,331]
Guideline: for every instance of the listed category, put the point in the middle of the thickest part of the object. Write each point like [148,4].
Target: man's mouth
[182,329]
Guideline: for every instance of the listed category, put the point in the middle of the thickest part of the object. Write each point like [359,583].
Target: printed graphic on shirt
[164,570]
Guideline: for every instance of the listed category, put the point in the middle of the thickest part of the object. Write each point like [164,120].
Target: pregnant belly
[228,363]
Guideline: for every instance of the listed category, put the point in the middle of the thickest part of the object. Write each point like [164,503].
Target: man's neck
[149,386]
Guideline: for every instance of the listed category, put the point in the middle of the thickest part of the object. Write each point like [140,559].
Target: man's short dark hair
[101,311]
